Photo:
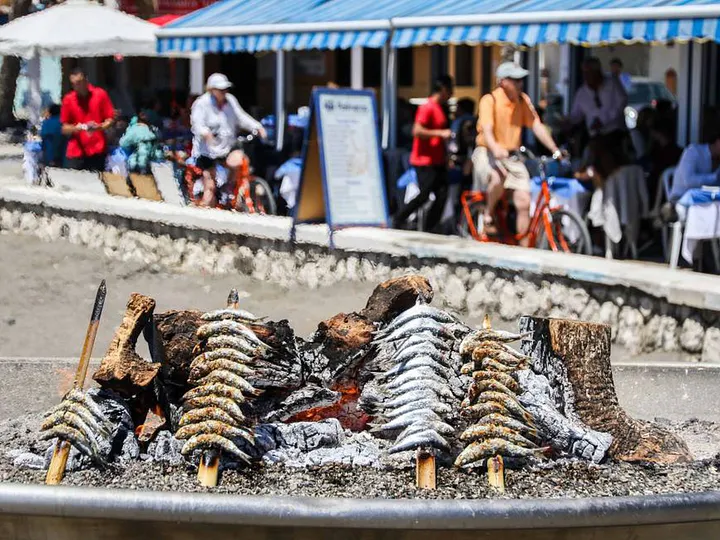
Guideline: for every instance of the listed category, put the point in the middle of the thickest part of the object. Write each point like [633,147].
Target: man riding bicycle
[215,119]
[503,114]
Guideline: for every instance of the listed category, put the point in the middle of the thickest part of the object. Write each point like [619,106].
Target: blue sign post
[342,181]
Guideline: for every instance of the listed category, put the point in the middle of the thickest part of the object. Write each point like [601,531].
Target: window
[372,68]
[464,66]
[342,67]
[406,68]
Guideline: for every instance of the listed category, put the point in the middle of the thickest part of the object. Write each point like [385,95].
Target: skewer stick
[425,470]
[56,470]
[209,467]
[496,473]
[495,465]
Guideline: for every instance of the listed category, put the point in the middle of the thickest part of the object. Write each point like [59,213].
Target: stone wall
[640,322]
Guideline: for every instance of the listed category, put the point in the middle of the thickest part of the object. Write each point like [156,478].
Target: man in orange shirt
[503,114]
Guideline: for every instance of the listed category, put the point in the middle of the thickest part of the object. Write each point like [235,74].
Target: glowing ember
[346,410]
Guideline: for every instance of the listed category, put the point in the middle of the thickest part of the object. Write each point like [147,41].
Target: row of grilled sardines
[501,425]
[418,397]
[80,421]
[213,417]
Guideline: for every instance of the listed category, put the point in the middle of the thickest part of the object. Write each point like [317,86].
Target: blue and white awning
[578,27]
[271,25]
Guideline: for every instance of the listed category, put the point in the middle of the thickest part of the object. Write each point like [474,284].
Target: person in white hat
[215,119]
[503,115]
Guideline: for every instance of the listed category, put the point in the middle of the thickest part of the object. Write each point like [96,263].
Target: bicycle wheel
[477,211]
[262,198]
[569,231]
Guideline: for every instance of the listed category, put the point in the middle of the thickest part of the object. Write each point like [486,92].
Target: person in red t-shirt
[86,114]
[430,132]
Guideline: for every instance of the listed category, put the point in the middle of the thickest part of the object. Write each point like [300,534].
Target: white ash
[563,434]
[165,449]
[304,444]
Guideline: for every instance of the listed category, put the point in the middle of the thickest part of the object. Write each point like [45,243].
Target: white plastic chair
[674,229]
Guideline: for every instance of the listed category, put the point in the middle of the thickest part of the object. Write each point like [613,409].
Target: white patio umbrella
[76,28]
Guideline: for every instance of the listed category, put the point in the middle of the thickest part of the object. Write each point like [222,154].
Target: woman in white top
[215,119]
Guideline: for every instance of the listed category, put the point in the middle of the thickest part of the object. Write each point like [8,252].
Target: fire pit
[376,405]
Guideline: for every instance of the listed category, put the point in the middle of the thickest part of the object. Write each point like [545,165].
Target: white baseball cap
[510,70]
[218,81]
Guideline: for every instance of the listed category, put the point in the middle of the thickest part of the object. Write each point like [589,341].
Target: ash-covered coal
[305,444]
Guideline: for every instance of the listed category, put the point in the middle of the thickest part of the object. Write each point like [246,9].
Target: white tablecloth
[621,203]
[702,222]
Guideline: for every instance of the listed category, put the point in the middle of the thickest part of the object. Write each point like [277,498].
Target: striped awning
[270,25]
[581,27]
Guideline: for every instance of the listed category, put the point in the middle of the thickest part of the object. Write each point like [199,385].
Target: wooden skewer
[495,465]
[209,467]
[56,470]
[425,470]
[496,473]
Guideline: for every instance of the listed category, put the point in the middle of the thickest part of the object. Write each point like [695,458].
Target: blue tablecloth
[696,196]
[565,188]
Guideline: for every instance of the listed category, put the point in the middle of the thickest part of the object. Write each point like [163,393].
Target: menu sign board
[342,181]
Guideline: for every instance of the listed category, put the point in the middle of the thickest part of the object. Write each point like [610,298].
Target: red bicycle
[551,227]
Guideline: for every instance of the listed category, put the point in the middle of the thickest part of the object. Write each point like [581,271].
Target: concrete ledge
[678,287]
[649,306]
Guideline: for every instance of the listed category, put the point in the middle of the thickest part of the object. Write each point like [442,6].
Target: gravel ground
[562,478]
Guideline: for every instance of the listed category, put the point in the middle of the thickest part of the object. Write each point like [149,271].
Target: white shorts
[518,177]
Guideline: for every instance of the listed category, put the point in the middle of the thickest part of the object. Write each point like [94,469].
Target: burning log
[574,357]
[74,417]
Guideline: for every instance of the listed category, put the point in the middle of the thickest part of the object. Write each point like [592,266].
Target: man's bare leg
[494,191]
[521,200]
[208,199]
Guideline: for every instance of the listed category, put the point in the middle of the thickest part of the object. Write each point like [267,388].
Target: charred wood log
[394,296]
[122,369]
[574,356]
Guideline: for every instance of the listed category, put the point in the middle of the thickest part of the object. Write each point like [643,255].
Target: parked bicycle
[551,227]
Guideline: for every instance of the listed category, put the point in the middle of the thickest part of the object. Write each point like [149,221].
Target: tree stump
[575,358]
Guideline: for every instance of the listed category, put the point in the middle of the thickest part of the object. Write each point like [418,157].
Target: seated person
[53,141]
[140,141]
[699,166]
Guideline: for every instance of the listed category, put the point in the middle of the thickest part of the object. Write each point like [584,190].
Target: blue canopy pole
[385,91]
[392,85]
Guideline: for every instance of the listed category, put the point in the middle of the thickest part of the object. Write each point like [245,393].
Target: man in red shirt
[430,131]
[86,114]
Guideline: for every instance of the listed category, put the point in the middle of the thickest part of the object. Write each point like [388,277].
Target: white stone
[510,305]
[261,266]
[630,327]
[711,345]
[591,312]
[576,299]
[353,269]
[454,293]
[691,335]
[479,300]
